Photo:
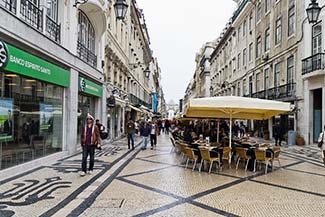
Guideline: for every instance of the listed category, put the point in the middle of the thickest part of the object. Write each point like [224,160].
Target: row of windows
[278,22]
[276,78]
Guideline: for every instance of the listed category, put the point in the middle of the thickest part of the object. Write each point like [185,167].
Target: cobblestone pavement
[155,183]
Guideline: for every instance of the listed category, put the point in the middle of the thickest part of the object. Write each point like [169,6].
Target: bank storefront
[31,106]
[90,94]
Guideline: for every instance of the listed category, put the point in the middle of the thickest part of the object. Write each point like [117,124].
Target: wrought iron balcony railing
[32,14]
[86,55]
[313,63]
[53,29]
[281,92]
[9,5]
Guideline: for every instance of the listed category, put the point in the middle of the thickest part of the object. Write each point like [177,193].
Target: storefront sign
[90,87]
[111,102]
[15,60]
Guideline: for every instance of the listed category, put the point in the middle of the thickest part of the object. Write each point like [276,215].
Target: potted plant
[300,141]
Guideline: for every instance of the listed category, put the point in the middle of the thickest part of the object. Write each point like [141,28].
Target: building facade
[52,76]
[313,75]
[59,62]
[258,55]
[268,50]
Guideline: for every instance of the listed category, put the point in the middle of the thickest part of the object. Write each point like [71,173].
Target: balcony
[138,102]
[259,94]
[86,55]
[53,29]
[9,5]
[31,14]
[287,91]
[312,65]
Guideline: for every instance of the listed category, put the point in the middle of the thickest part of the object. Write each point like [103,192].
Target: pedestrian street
[155,183]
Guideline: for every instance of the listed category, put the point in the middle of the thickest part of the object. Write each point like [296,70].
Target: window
[31,119]
[86,32]
[266,79]
[250,22]
[244,27]
[250,52]
[267,39]
[278,31]
[250,85]
[290,72]
[267,5]
[291,20]
[244,56]
[317,38]
[238,89]
[277,73]
[258,12]
[244,87]
[258,82]
[238,61]
[238,35]
[258,47]
[52,9]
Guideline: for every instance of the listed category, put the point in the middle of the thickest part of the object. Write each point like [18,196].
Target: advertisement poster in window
[6,120]
[46,117]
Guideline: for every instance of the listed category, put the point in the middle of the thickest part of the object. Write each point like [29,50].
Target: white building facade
[313,75]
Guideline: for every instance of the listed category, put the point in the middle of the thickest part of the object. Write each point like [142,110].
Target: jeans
[153,140]
[130,140]
[145,142]
[88,150]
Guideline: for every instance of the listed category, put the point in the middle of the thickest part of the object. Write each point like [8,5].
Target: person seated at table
[188,139]
[214,136]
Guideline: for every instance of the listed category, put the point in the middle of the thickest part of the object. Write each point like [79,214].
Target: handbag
[320,143]
[103,135]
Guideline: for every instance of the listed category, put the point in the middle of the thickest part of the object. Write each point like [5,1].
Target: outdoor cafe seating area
[245,154]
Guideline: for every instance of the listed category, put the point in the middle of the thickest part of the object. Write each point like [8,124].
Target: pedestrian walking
[102,133]
[321,144]
[144,132]
[90,139]
[167,126]
[278,134]
[130,129]
[154,131]
[163,126]
[136,125]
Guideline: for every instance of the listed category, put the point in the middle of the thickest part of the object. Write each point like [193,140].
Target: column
[270,122]
[306,111]
[70,114]
[323,108]
[118,121]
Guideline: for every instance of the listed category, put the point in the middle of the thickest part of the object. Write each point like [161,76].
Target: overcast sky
[178,29]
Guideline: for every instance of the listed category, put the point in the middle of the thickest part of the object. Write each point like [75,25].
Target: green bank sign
[90,87]
[15,60]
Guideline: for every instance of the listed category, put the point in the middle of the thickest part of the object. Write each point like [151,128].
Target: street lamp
[121,7]
[313,11]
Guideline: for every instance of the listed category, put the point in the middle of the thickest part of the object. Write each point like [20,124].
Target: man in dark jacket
[144,132]
[130,129]
[278,134]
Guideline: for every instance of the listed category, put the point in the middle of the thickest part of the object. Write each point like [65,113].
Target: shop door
[317,113]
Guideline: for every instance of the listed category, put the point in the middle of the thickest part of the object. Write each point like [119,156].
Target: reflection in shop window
[30,119]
